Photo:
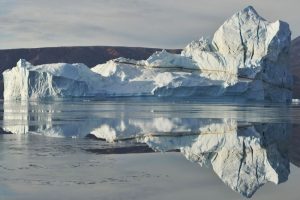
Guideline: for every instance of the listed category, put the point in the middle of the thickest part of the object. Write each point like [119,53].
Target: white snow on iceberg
[247,57]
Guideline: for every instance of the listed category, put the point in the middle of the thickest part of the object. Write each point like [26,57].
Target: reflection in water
[245,149]
[244,157]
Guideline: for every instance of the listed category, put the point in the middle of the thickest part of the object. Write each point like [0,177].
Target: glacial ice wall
[247,57]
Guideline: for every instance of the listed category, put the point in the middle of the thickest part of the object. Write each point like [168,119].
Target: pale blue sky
[151,23]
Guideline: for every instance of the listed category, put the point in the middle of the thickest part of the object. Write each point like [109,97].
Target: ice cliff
[247,56]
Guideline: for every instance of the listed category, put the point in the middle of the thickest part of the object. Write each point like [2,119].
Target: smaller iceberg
[247,57]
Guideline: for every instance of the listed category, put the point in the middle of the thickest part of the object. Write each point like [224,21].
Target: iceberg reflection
[244,154]
[244,157]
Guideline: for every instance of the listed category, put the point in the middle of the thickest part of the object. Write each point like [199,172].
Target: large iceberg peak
[247,38]
[249,49]
[249,12]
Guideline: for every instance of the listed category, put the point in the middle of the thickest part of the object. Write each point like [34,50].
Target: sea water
[141,148]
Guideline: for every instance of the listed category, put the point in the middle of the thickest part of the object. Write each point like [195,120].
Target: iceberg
[247,57]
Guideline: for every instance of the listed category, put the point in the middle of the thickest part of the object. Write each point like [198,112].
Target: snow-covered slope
[246,57]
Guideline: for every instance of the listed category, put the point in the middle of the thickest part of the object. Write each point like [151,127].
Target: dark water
[149,149]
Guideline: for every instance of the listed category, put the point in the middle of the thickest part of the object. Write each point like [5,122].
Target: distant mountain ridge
[295,53]
[89,55]
[295,66]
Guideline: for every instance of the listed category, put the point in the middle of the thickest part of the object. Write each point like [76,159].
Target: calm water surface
[149,149]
